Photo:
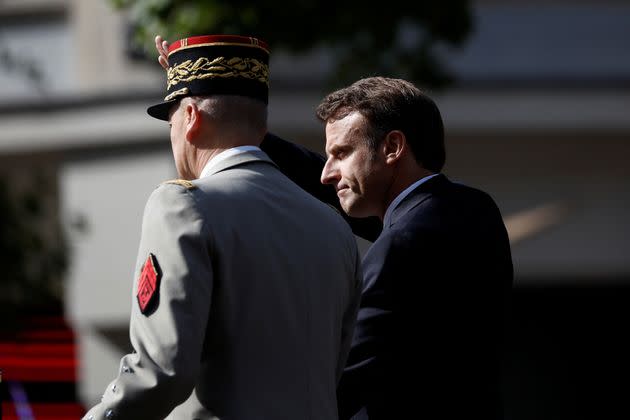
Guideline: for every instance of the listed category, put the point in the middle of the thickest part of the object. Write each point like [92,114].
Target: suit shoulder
[471,193]
[336,210]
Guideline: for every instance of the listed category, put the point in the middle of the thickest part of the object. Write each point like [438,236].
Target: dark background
[568,353]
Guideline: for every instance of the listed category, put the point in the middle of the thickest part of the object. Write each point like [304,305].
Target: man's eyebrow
[337,148]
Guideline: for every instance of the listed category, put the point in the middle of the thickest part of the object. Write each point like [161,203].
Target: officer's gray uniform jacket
[254,311]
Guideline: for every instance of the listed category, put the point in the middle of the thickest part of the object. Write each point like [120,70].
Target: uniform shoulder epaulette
[183,182]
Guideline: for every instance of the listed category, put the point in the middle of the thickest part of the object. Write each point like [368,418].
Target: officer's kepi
[215,65]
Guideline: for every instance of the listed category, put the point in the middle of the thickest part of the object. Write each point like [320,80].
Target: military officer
[240,309]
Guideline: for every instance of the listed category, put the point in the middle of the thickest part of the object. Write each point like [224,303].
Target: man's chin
[354,211]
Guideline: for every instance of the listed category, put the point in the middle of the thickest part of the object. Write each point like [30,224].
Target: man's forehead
[351,119]
[343,136]
[350,124]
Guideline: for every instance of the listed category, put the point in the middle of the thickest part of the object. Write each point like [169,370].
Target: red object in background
[38,362]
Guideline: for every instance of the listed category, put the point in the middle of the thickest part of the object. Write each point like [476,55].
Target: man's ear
[394,145]
[192,121]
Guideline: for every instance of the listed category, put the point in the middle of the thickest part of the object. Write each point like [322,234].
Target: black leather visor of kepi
[215,65]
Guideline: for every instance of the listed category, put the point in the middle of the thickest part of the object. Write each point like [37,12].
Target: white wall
[109,194]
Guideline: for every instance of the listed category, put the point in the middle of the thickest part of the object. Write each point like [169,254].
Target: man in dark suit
[436,281]
[430,331]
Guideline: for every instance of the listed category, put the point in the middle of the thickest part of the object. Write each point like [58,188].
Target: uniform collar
[216,160]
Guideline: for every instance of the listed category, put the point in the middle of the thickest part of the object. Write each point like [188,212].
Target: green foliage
[396,38]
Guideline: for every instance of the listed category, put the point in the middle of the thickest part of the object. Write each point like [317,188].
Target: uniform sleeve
[166,333]
[350,316]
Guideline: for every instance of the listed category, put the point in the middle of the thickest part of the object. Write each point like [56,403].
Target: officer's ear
[393,146]
[192,121]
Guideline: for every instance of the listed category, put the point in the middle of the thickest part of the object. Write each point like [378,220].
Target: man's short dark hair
[392,104]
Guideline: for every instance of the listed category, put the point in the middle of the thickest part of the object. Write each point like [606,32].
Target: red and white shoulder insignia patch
[148,285]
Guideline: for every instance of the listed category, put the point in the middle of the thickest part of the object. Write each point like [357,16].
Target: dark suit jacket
[430,329]
[429,337]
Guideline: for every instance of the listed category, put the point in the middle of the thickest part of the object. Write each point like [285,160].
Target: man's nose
[328,173]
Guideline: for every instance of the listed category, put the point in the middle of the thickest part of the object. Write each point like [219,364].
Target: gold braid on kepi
[224,67]
[215,65]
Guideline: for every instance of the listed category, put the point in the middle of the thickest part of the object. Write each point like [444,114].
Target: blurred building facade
[539,118]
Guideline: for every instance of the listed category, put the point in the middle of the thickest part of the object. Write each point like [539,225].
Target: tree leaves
[396,38]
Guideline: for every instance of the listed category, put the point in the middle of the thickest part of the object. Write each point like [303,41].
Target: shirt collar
[224,155]
[402,195]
